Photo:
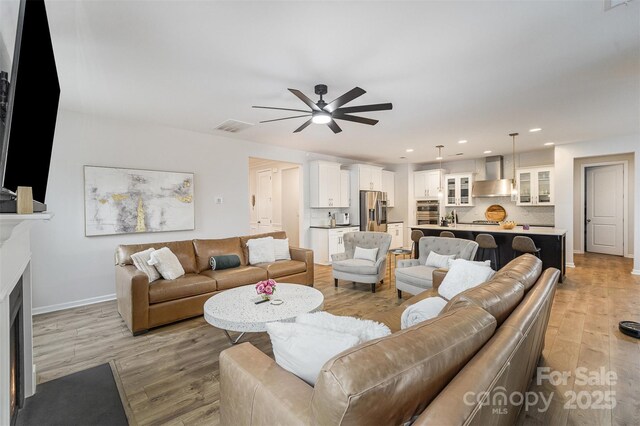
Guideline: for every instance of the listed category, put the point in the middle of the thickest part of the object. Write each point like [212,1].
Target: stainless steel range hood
[495,185]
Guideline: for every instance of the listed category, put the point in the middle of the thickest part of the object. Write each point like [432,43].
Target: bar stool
[487,242]
[416,234]
[522,244]
[447,234]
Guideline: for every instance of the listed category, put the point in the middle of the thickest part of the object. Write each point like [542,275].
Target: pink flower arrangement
[266,288]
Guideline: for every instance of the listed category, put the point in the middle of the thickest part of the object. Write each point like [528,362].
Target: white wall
[565,187]
[70,269]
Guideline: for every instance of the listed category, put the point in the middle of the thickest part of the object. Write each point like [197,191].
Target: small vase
[266,296]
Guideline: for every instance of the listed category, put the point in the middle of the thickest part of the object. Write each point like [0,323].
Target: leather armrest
[306,256]
[437,276]
[132,292]
[405,263]
[339,256]
[255,390]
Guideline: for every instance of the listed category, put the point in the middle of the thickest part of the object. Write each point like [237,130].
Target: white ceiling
[473,70]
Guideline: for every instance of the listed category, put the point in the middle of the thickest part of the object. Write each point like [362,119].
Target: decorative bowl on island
[509,224]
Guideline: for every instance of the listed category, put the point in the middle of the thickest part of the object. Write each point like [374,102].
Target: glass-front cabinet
[535,186]
[458,188]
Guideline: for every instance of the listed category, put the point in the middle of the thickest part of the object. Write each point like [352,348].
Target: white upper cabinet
[388,186]
[325,182]
[345,180]
[369,177]
[426,184]
[535,186]
[458,189]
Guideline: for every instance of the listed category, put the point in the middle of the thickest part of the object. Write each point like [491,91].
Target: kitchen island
[551,241]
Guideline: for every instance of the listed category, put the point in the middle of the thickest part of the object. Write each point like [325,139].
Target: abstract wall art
[125,201]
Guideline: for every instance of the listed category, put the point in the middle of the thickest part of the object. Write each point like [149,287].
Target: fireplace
[16,349]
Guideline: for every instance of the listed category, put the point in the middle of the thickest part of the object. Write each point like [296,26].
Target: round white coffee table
[235,309]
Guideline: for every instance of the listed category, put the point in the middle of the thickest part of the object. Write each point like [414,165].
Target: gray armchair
[413,276]
[345,267]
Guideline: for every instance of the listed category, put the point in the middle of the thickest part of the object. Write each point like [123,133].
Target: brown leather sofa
[144,306]
[486,339]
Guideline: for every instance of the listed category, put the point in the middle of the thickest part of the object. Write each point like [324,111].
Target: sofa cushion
[280,235]
[417,275]
[526,269]
[282,268]
[411,367]
[355,266]
[185,286]
[206,249]
[182,249]
[235,277]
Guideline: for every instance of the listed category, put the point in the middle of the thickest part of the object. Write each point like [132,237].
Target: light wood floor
[170,375]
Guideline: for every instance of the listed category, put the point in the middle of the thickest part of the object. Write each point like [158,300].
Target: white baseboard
[74,304]
[629,255]
[578,252]
[570,265]
[635,272]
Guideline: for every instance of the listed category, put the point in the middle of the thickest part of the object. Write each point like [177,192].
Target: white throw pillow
[421,311]
[261,250]
[463,275]
[281,249]
[364,330]
[166,263]
[303,349]
[140,260]
[439,260]
[365,254]
[475,262]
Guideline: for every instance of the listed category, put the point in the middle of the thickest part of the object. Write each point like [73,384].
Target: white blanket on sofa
[421,311]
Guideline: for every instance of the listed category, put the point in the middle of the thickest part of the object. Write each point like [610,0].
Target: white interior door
[291,205]
[265,209]
[605,204]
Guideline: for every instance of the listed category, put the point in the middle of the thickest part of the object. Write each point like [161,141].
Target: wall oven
[427,212]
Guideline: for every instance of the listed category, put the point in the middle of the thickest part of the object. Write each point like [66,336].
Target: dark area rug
[89,397]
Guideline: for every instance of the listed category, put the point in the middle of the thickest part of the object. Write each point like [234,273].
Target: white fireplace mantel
[15,262]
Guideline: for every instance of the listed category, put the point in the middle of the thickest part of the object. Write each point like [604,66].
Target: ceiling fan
[326,113]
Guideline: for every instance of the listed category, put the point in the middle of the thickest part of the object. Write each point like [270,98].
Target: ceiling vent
[233,126]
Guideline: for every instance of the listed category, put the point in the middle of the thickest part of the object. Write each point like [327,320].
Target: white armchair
[413,276]
[345,267]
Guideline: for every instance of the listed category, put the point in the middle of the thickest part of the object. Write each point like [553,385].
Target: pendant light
[514,188]
[440,192]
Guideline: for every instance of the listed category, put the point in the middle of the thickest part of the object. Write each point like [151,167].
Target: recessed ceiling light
[409,150]
[535,129]
[549,143]
[462,141]
[438,158]
[487,152]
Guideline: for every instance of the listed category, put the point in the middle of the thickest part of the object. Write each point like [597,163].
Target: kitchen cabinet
[397,234]
[345,194]
[458,189]
[535,186]
[388,186]
[325,185]
[369,177]
[328,241]
[427,184]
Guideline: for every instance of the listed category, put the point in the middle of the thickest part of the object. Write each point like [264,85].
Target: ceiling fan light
[321,117]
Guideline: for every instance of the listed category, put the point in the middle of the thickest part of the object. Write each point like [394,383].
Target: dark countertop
[519,224]
[395,221]
[337,226]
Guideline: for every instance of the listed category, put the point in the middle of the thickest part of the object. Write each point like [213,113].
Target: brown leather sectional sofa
[144,306]
[445,371]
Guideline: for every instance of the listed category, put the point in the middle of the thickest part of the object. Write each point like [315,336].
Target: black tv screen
[33,105]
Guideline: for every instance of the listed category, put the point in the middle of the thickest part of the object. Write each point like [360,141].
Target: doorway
[275,198]
[604,209]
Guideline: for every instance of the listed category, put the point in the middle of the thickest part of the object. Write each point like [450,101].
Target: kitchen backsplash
[320,217]
[520,214]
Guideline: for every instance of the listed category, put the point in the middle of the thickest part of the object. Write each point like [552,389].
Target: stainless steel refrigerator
[373,211]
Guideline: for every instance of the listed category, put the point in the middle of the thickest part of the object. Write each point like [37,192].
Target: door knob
[588,220]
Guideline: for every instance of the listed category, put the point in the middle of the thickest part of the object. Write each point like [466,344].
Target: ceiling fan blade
[355,119]
[334,126]
[305,99]
[304,126]
[281,109]
[285,118]
[347,97]
[364,108]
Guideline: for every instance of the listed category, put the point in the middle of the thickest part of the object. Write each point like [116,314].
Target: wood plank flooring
[170,375]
